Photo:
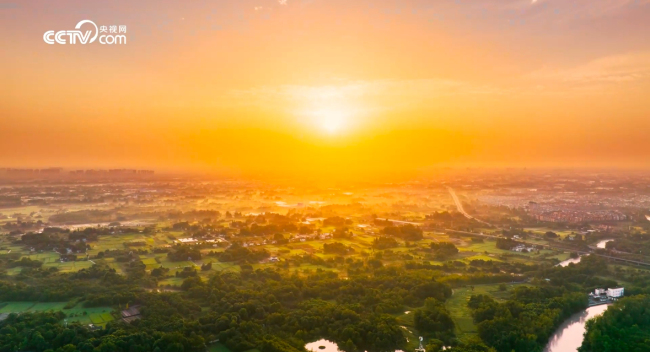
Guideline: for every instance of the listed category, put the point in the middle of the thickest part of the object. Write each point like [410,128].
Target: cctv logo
[71,37]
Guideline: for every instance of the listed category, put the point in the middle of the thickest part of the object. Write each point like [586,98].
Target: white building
[599,292]
[522,248]
[615,292]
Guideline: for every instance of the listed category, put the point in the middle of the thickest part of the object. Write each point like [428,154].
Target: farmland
[399,262]
[97,315]
[360,241]
[461,314]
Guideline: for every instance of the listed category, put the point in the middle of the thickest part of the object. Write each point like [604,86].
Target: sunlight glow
[331,120]
[329,110]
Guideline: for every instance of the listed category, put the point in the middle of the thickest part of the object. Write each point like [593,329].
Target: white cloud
[389,92]
[610,69]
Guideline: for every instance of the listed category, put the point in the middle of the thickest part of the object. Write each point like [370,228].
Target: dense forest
[275,310]
[525,322]
[252,309]
[624,327]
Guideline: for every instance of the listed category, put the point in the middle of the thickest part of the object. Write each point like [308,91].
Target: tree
[434,320]
[337,248]
[384,242]
[551,234]
[443,250]
[206,267]
[623,327]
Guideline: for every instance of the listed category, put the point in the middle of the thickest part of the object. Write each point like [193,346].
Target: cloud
[606,70]
[553,10]
[564,11]
[384,94]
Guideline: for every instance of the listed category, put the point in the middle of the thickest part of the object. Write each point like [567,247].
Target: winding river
[568,337]
[569,261]
[602,244]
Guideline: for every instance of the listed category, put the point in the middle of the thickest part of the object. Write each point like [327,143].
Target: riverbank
[569,336]
[569,261]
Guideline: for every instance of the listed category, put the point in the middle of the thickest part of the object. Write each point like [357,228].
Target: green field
[361,242]
[406,322]
[542,230]
[560,257]
[218,347]
[96,315]
[457,304]
[16,307]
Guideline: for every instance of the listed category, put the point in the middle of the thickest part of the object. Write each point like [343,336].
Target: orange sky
[328,86]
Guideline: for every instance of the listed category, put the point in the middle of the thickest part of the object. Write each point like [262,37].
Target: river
[568,337]
[602,244]
[569,261]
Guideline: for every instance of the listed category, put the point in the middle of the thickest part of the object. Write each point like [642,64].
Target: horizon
[324,175]
[304,181]
[316,88]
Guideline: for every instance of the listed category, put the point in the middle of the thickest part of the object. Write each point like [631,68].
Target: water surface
[568,337]
[602,244]
[569,261]
[329,346]
[316,346]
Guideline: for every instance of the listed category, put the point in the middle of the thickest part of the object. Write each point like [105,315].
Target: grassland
[218,347]
[406,322]
[542,230]
[361,243]
[457,304]
[98,315]
[163,236]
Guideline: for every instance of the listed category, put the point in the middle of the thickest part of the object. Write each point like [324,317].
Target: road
[402,222]
[459,206]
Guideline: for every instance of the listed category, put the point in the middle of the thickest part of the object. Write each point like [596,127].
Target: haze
[328,87]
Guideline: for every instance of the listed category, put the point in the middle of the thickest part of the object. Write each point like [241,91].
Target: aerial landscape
[325,176]
[469,260]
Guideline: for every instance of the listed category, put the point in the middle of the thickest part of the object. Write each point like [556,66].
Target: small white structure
[599,292]
[522,248]
[615,292]
[421,348]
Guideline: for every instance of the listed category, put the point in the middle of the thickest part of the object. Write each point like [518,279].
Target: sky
[327,87]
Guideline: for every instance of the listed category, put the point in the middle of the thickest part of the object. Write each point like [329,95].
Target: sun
[331,120]
[330,111]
